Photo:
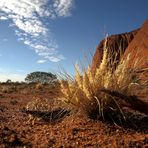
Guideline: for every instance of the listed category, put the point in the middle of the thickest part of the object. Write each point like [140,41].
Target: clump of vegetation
[100,93]
[13,102]
[3,108]
[1,96]
[38,105]
[8,89]
[38,86]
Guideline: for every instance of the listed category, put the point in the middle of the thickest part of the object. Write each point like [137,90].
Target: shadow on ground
[49,116]
[135,121]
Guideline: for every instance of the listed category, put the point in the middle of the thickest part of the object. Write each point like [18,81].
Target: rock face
[116,44]
[138,48]
[134,42]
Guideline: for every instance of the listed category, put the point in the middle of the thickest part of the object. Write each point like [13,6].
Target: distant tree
[41,77]
[8,81]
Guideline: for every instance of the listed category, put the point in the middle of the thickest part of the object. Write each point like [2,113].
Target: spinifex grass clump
[38,105]
[85,91]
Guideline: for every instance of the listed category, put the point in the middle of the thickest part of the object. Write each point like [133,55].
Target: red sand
[75,130]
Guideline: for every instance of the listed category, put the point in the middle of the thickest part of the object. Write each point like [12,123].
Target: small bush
[7,89]
[38,86]
[1,96]
[13,102]
[38,105]
[2,108]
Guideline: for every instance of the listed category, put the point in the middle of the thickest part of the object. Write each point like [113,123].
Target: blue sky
[42,35]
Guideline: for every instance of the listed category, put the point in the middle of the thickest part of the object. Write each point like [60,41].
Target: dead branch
[134,101]
[142,70]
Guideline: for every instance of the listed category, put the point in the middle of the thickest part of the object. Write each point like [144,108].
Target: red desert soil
[67,131]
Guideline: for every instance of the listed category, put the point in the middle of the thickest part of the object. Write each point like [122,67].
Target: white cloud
[41,61]
[62,7]
[3,18]
[55,58]
[28,17]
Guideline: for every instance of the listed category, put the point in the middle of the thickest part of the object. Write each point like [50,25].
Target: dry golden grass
[83,91]
[8,89]
[38,105]
[38,86]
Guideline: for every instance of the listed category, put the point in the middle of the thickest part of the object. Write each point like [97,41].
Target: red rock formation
[116,44]
[134,42]
[138,48]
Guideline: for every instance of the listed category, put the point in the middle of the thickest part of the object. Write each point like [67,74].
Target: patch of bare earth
[17,129]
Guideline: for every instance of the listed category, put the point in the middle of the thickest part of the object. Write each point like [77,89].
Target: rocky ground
[61,129]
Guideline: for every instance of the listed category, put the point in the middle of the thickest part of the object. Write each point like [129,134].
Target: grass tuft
[83,91]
